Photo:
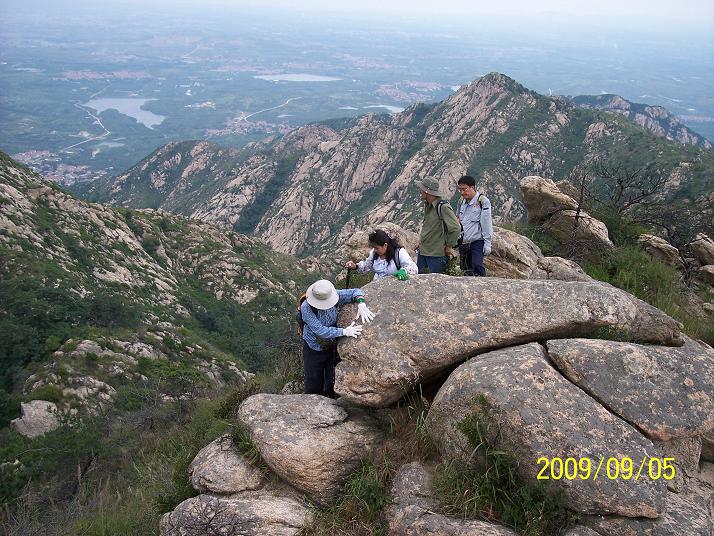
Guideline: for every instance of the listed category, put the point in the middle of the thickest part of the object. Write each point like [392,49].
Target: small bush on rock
[493,491]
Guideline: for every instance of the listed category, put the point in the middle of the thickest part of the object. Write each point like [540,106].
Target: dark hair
[468,180]
[379,238]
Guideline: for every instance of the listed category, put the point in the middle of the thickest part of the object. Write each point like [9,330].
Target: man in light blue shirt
[474,212]
[320,332]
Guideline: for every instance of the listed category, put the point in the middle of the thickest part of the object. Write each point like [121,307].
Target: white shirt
[381,268]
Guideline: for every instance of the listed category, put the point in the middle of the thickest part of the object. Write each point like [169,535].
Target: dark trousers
[472,258]
[319,371]
[435,265]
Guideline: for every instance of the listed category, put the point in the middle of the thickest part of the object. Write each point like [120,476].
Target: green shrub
[9,407]
[48,392]
[132,398]
[57,453]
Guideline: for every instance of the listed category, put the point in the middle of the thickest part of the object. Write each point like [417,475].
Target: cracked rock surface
[668,393]
[250,513]
[541,414]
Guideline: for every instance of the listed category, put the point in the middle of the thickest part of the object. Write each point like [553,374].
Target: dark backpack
[299,318]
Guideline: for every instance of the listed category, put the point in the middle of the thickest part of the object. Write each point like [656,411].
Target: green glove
[402,275]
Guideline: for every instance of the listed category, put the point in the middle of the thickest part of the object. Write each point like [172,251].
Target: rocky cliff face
[656,119]
[312,189]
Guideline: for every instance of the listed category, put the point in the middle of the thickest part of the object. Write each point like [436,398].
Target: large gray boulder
[220,468]
[707,274]
[411,512]
[517,257]
[251,513]
[703,249]
[38,418]
[541,414]
[665,392]
[310,441]
[686,515]
[558,214]
[431,322]
[661,250]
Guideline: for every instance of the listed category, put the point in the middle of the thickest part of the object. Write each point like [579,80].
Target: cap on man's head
[429,185]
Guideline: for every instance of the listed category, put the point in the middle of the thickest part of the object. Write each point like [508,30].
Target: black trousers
[319,370]
[471,256]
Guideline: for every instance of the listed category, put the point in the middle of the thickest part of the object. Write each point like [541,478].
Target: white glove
[363,313]
[353,330]
[486,250]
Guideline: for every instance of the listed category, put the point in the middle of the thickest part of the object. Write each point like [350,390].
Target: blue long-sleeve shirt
[323,324]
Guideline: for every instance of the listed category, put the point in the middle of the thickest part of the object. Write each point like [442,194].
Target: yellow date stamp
[612,468]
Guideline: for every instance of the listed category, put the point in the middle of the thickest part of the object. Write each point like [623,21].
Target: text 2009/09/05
[612,468]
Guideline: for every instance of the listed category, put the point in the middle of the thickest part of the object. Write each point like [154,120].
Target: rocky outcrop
[310,441]
[411,512]
[252,513]
[334,181]
[517,257]
[660,250]
[703,249]
[667,393]
[534,412]
[559,216]
[707,273]
[221,469]
[447,320]
[38,418]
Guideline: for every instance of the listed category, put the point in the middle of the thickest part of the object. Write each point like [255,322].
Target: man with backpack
[440,229]
[317,319]
[474,211]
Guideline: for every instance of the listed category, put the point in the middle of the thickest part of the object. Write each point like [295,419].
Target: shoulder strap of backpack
[397,263]
[439,205]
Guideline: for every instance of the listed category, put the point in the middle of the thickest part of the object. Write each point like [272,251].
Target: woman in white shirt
[386,258]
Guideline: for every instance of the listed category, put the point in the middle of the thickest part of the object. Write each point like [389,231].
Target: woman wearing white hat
[320,331]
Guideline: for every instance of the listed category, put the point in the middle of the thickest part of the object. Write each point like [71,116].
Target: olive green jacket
[438,232]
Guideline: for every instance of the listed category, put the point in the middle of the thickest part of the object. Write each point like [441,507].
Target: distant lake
[392,109]
[299,77]
[130,107]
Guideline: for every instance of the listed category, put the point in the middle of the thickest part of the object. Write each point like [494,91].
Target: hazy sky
[700,12]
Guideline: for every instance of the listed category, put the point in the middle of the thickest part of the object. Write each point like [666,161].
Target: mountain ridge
[306,192]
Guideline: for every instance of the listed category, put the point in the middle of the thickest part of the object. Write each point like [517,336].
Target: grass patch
[358,511]
[492,490]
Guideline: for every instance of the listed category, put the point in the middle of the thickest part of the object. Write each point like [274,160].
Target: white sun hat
[322,294]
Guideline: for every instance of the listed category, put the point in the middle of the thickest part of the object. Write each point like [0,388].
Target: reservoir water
[130,107]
